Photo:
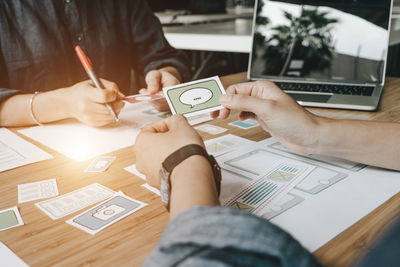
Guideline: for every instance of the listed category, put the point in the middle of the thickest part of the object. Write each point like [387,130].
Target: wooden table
[44,242]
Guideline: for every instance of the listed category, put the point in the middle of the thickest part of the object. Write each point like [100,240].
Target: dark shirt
[37,40]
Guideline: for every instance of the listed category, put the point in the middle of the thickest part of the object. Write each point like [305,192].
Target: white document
[334,196]
[8,257]
[106,213]
[270,179]
[224,144]
[16,152]
[76,200]
[80,142]
[37,190]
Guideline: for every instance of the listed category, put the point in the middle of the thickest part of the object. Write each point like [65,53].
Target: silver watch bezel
[165,186]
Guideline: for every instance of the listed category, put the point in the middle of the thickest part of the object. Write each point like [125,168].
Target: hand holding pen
[89,70]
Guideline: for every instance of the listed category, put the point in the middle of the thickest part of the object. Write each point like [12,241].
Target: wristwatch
[177,157]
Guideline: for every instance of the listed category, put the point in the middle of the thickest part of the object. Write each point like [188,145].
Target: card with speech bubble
[196,97]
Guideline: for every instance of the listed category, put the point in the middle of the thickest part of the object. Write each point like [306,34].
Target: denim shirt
[37,40]
[221,236]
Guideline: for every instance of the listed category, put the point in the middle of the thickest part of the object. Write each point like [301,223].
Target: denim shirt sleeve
[221,236]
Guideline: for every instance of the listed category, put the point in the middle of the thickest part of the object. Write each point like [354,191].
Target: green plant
[307,36]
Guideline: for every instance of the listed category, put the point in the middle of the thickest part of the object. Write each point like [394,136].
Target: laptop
[329,54]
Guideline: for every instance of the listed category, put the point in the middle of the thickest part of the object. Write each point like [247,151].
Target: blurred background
[217,34]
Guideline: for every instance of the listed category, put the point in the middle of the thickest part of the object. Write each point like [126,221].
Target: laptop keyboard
[327,88]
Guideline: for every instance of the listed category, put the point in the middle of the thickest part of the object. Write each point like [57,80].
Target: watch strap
[181,154]
[185,152]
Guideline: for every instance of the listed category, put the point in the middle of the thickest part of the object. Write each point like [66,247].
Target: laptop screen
[333,41]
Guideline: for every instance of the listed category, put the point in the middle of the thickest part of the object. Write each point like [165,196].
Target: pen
[87,65]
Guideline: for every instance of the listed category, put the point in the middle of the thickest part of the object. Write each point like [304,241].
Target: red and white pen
[87,64]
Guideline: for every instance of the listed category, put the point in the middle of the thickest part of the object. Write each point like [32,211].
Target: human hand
[86,103]
[277,113]
[158,79]
[160,139]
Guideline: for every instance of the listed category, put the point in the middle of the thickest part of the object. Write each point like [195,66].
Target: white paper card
[10,218]
[224,144]
[100,164]
[211,129]
[106,213]
[76,200]
[196,97]
[37,190]
[194,120]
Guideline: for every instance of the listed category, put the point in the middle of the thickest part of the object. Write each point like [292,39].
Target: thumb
[245,103]
[177,121]
[153,80]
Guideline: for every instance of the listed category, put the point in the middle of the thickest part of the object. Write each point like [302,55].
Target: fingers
[117,106]
[248,89]
[157,79]
[107,95]
[168,79]
[251,88]
[153,81]
[214,114]
[245,103]
[144,91]
[120,96]
[224,113]
[156,127]
[167,124]
[246,115]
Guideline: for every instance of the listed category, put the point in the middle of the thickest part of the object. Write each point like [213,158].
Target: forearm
[192,184]
[372,143]
[46,107]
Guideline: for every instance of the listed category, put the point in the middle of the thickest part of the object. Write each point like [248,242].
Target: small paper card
[224,144]
[199,119]
[73,201]
[194,98]
[37,190]
[10,218]
[100,164]
[106,213]
[211,129]
[245,124]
